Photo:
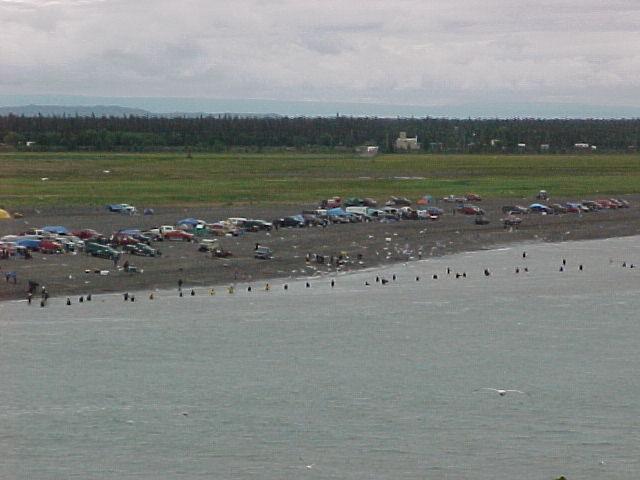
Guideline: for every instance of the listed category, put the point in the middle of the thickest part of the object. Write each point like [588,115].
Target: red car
[49,246]
[604,203]
[122,239]
[470,210]
[178,235]
[86,234]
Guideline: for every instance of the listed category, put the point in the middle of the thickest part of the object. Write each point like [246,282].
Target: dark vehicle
[515,209]
[398,202]
[482,220]
[591,205]
[141,249]
[435,211]
[557,208]
[263,253]
[473,197]
[256,225]
[511,220]
[292,221]
[98,250]
[311,218]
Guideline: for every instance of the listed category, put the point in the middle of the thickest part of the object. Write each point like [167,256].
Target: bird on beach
[502,392]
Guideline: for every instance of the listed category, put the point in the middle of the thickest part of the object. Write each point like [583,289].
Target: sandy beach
[363,245]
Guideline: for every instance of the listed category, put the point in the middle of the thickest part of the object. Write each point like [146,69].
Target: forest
[339,133]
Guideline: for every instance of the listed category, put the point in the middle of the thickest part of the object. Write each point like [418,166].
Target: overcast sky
[429,52]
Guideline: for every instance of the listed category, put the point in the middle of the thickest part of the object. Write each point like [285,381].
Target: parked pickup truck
[99,250]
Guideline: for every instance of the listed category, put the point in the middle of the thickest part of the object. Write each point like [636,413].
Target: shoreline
[278,281]
[365,245]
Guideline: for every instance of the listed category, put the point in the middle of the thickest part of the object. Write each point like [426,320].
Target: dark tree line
[221,133]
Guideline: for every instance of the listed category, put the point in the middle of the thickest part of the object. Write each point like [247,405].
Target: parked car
[333,202]
[517,209]
[604,203]
[511,220]
[119,238]
[141,249]
[292,221]
[178,235]
[575,208]
[263,253]
[122,208]
[454,199]
[99,250]
[86,234]
[539,208]
[51,246]
[481,220]
[470,210]
[254,224]
[398,202]
[591,205]
[473,197]
[557,208]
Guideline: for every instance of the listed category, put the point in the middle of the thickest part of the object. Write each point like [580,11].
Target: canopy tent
[4,215]
[57,229]
[425,200]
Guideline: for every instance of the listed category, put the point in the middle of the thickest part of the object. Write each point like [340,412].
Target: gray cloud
[407,51]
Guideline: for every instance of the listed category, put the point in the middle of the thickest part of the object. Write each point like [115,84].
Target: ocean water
[352,382]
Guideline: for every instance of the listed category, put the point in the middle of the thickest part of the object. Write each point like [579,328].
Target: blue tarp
[130,231]
[58,229]
[188,221]
[29,243]
[336,212]
[538,205]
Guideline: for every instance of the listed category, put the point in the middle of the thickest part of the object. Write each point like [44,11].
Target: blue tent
[188,221]
[537,206]
[57,229]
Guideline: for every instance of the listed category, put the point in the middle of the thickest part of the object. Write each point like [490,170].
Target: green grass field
[170,179]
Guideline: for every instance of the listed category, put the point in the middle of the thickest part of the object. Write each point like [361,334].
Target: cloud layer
[428,52]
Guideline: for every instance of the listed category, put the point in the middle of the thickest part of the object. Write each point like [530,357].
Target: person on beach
[126,296]
[68,301]
[29,297]
[180,284]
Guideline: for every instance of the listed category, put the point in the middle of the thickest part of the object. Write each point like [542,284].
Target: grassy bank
[163,179]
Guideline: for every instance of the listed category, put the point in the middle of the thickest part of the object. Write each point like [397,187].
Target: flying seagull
[502,392]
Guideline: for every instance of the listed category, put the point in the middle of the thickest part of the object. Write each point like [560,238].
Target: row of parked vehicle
[569,207]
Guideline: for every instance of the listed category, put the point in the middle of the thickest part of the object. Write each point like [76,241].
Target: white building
[407,143]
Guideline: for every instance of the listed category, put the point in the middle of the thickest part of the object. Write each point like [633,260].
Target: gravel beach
[362,244]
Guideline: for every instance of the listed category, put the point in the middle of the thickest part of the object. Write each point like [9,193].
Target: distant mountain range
[81,111]
[107,111]
[49,105]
